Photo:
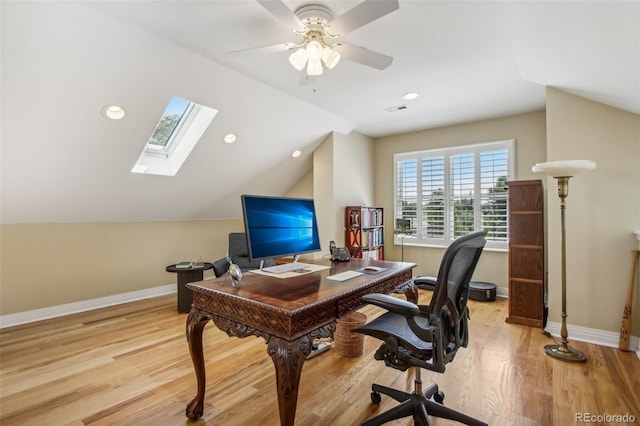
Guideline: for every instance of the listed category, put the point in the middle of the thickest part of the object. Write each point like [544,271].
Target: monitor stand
[295,260]
[285,267]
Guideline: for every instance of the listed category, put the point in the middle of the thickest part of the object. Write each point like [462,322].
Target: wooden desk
[288,314]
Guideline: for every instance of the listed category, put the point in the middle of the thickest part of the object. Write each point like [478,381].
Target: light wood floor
[130,364]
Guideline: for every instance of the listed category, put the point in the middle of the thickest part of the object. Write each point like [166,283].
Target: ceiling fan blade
[274,48]
[364,56]
[362,14]
[280,10]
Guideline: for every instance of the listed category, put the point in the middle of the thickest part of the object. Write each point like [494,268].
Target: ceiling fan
[318,30]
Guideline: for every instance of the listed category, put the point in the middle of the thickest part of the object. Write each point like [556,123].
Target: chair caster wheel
[438,397]
[375,397]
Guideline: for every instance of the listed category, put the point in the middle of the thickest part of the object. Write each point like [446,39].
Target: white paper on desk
[310,267]
[344,276]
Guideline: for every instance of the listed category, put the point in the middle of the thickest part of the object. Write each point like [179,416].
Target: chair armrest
[220,267]
[392,304]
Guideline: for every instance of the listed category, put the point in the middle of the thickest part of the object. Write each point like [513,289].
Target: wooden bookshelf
[364,232]
[526,253]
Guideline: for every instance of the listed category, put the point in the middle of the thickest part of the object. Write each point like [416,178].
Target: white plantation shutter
[462,194]
[447,193]
[433,198]
[406,189]
[494,166]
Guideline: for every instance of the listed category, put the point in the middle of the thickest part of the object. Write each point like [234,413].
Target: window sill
[434,246]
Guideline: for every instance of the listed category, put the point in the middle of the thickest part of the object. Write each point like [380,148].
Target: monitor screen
[277,226]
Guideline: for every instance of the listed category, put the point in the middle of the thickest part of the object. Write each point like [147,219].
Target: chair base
[419,406]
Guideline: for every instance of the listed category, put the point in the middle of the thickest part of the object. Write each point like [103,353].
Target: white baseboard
[583,334]
[84,305]
[590,335]
[502,292]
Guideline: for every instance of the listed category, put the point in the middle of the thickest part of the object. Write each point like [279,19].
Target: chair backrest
[239,252]
[449,300]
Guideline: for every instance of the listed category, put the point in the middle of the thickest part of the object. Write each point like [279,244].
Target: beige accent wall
[354,177]
[603,208]
[343,175]
[323,172]
[528,130]
[303,188]
[44,265]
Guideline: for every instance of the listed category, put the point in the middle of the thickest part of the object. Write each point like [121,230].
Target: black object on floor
[485,292]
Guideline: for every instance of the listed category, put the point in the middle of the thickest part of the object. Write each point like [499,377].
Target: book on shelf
[184,265]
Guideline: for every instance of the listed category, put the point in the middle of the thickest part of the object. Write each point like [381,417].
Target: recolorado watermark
[605,418]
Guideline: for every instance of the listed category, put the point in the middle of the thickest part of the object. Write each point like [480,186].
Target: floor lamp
[562,171]
[401,234]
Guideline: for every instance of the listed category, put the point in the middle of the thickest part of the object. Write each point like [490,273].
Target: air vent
[396,108]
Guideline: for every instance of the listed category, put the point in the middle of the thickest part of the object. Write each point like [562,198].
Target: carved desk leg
[195,327]
[288,358]
[410,291]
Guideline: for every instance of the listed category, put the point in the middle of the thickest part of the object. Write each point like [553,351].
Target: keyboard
[285,267]
[343,276]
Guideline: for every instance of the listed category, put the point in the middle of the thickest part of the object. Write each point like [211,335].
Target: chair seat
[391,324]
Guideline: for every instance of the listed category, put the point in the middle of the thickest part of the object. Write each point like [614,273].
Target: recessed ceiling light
[229,138]
[410,96]
[297,153]
[114,112]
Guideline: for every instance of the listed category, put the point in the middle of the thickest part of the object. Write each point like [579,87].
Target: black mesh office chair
[426,336]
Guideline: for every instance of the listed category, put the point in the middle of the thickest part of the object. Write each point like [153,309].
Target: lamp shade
[314,67]
[298,59]
[564,168]
[314,50]
[330,57]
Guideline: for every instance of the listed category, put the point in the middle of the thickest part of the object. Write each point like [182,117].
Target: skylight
[178,131]
[171,119]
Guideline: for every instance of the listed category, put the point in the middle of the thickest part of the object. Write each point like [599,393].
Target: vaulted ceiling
[62,62]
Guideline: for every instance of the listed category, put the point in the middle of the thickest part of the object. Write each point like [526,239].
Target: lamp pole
[563,351]
[562,171]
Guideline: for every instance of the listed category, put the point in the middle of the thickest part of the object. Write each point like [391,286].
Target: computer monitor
[278,226]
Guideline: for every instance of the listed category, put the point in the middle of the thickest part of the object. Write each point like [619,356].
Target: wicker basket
[346,342]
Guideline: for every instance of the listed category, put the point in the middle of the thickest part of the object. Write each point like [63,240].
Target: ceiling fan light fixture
[314,67]
[314,50]
[314,23]
[298,59]
[330,57]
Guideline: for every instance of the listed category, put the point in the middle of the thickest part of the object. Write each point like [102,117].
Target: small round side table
[185,276]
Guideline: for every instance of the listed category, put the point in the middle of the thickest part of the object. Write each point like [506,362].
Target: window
[168,128]
[443,194]
[178,131]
